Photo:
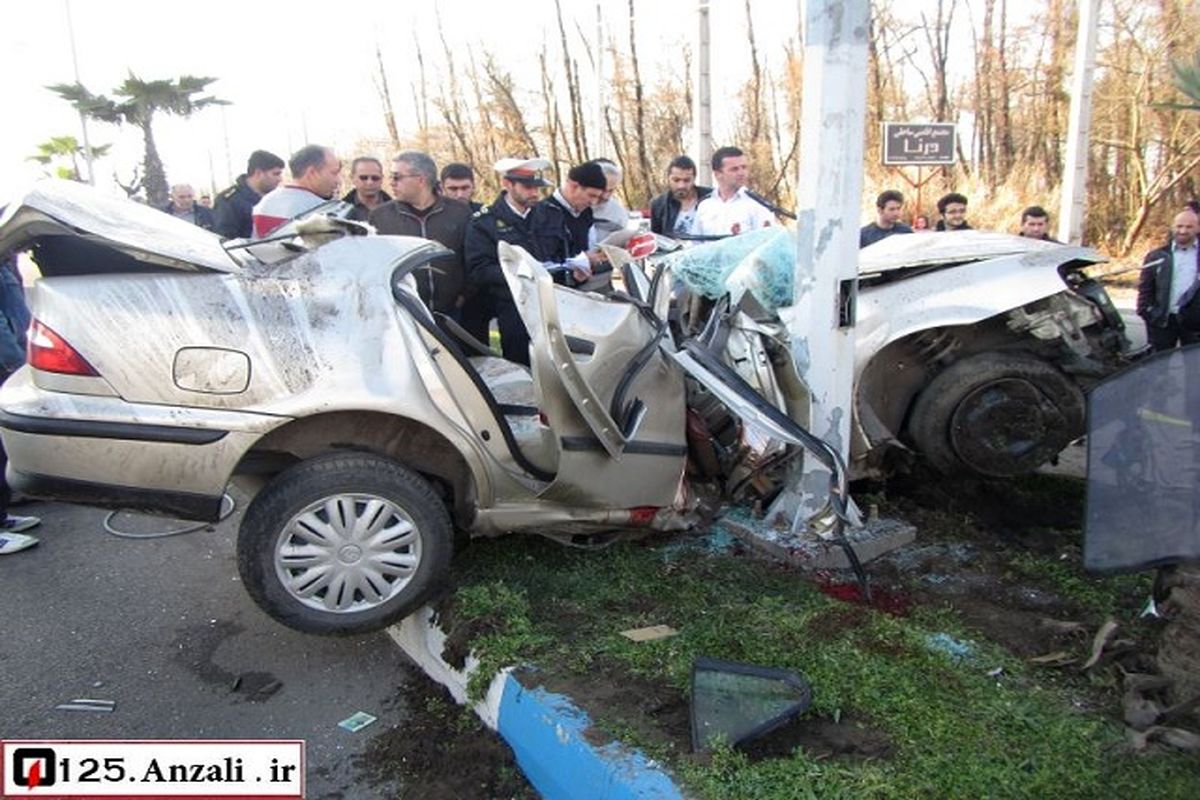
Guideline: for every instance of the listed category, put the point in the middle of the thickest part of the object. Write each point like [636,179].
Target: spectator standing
[1035,224]
[458,183]
[418,210]
[1169,281]
[235,206]
[921,223]
[205,200]
[316,174]
[561,224]
[729,210]
[184,206]
[889,207]
[366,175]
[505,220]
[14,320]
[609,215]
[952,209]
[673,213]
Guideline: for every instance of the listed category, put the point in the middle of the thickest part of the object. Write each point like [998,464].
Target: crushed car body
[165,365]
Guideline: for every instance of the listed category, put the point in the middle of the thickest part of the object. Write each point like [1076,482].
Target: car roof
[55,207]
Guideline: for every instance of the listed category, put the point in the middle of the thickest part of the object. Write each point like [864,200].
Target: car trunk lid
[75,229]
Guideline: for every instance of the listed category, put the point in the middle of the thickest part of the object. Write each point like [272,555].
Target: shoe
[15,542]
[15,524]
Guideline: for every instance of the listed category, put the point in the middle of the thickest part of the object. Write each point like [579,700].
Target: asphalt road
[163,628]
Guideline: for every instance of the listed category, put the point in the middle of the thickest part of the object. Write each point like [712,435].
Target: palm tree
[65,147]
[136,103]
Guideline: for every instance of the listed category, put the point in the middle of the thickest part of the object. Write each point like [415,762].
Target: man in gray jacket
[419,210]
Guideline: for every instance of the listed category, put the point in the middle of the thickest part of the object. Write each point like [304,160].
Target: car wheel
[996,415]
[344,544]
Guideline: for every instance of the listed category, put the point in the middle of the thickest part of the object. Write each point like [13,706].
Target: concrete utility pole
[821,319]
[1074,189]
[703,102]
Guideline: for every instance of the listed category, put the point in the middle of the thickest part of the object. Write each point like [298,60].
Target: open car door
[613,400]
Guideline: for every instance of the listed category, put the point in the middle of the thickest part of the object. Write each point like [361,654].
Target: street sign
[918,143]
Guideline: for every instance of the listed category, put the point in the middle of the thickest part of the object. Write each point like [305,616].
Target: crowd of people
[952,213]
[565,228]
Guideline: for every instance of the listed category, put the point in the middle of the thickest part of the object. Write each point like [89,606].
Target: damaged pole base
[807,550]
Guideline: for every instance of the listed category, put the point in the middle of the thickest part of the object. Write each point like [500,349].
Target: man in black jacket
[560,225]
[1169,281]
[419,211]
[234,208]
[505,220]
[673,212]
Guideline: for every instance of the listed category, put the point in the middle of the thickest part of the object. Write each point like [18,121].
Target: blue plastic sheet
[761,262]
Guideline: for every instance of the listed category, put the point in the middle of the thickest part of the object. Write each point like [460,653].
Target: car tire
[344,544]
[996,415]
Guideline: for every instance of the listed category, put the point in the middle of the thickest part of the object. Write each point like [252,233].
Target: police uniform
[233,210]
[559,234]
[488,295]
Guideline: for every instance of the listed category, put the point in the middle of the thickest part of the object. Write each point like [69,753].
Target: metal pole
[703,102]
[1074,189]
[87,144]
[821,320]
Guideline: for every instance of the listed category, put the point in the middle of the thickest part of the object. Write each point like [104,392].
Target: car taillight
[50,352]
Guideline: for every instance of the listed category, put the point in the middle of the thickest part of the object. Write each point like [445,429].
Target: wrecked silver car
[973,349]
[164,365]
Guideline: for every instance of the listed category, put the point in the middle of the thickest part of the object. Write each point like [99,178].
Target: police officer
[505,220]
[560,225]
[235,206]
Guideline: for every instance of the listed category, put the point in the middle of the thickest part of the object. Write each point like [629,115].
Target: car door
[614,401]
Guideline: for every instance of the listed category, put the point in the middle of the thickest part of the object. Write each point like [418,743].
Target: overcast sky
[303,70]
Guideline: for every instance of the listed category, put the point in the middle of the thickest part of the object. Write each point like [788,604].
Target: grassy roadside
[949,728]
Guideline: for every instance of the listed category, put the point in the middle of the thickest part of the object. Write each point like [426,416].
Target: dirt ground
[444,753]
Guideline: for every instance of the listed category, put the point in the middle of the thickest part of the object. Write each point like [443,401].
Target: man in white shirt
[729,211]
[316,174]
[1168,282]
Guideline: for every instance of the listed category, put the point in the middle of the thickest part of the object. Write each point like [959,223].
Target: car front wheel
[344,544]
[996,415]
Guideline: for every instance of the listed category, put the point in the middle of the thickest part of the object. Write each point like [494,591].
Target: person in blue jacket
[14,321]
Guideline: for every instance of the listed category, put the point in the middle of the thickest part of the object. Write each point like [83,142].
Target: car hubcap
[1007,427]
[347,553]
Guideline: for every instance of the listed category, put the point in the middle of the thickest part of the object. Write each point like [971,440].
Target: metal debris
[88,704]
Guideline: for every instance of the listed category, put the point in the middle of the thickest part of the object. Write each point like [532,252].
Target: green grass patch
[1099,596]
[953,730]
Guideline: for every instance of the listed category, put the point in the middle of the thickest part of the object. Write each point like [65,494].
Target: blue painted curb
[546,731]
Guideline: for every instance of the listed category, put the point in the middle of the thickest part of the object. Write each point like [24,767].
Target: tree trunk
[639,95]
[155,179]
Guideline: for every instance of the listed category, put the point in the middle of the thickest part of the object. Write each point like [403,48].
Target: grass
[955,731]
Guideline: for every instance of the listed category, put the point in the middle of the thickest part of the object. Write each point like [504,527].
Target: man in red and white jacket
[316,175]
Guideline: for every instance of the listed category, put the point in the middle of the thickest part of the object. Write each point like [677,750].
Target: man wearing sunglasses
[366,173]
[418,210]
